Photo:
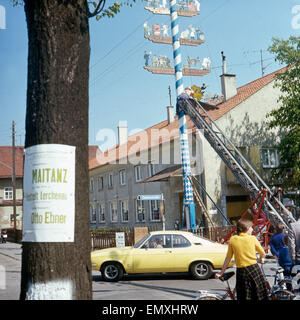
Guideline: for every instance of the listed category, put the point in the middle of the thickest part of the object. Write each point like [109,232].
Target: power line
[120,42]
[103,73]
[121,59]
[216,9]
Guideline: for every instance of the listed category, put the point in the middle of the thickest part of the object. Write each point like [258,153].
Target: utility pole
[262,67]
[14,180]
[170,97]
[262,63]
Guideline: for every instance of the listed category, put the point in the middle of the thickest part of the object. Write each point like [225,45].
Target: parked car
[162,252]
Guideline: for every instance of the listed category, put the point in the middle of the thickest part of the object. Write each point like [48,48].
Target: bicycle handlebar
[227,275]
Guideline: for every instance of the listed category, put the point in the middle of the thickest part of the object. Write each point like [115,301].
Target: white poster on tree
[49,193]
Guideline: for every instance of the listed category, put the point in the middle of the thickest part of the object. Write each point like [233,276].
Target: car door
[180,253]
[150,258]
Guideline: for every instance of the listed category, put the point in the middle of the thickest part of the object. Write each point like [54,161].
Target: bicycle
[281,289]
[276,292]
[229,294]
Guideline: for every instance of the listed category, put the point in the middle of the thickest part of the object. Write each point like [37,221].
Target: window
[140,210]
[100,183]
[124,210]
[155,242]
[270,158]
[158,241]
[154,210]
[138,174]
[113,210]
[122,175]
[151,169]
[110,180]
[93,214]
[180,241]
[8,193]
[101,213]
[91,185]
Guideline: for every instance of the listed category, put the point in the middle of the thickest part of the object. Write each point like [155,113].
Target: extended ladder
[235,161]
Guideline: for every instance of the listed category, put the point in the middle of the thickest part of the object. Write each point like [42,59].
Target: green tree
[57,112]
[287,117]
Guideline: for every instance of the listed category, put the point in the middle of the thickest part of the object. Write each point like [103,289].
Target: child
[284,259]
[250,283]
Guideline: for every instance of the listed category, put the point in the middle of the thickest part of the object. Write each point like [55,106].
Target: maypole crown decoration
[160,34]
[186,8]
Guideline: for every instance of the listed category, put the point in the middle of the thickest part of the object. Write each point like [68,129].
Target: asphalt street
[131,287]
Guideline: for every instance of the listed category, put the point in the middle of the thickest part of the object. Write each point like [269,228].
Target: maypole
[188,198]
[162,65]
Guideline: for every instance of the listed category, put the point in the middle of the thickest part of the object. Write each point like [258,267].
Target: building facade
[6,187]
[137,164]
[119,176]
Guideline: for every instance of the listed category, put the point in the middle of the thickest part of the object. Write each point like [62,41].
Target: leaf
[286,118]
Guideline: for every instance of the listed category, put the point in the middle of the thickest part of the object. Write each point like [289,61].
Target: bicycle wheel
[207,298]
[283,295]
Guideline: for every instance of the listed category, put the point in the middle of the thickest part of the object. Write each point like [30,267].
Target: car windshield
[141,241]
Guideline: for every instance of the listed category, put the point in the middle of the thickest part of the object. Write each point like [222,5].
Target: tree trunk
[57,112]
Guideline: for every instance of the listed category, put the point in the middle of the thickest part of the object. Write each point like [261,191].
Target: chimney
[122,132]
[228,83]
[170,111]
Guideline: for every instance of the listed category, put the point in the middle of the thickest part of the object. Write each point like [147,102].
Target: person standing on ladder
[185,97]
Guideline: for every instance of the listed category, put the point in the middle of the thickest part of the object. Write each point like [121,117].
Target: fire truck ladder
[273,209]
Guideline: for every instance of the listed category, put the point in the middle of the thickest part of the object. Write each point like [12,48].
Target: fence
[107,239]
[214,233]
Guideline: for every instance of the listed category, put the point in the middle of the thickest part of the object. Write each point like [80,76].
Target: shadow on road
[135,281]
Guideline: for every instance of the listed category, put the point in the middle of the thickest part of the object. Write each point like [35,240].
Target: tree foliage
[287,117]
[100,11]
[97,8]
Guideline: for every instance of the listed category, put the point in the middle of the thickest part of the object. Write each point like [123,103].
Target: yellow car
[162,252]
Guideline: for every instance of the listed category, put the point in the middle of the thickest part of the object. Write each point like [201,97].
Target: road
[131,287]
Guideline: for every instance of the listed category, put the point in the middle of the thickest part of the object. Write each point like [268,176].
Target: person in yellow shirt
[250,282]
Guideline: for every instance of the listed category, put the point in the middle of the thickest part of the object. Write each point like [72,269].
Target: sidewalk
[10,267]
[11,250]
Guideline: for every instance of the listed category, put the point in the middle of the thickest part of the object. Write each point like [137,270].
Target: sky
[120,88]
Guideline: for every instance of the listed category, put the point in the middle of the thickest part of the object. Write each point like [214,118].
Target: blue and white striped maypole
[188,198]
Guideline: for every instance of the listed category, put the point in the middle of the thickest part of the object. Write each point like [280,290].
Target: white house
[152,157]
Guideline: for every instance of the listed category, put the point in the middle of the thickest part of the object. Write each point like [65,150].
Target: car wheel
[201,270]
[111,271]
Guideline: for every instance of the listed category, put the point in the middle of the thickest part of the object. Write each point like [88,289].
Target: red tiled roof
[168,132]
[93,150]
[244,93]
[9,203]
[6,161]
